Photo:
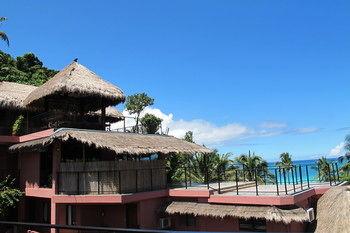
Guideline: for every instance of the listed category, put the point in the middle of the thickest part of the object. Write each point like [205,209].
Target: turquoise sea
[312,169]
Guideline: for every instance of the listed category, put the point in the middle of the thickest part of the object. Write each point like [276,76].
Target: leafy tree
[9,196]
[324,169]
[3,35]
[212,167]
[26,69]
[251,164]
[285,163]
[136,103]
[151,123]
[345,169]
[17,127]
[177,162]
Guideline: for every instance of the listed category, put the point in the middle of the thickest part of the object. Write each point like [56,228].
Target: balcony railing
[240,180]
[111,177]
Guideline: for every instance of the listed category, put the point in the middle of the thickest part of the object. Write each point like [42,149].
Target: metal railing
[272,180]
[21,227]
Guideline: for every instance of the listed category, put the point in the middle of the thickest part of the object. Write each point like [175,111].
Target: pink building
[74,172]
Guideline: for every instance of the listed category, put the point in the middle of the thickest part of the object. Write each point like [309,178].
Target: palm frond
[4,37]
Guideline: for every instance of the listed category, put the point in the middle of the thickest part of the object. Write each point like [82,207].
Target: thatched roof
[333,210]
[77,81]
[12,94]
[112,114]
[269,213]
[120,143]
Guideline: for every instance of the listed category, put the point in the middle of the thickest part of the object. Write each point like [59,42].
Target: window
[190,220]
[71,215]
[252,225]
[46,212]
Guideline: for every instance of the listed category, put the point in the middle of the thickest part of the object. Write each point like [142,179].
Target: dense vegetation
[26,69]
[9,196]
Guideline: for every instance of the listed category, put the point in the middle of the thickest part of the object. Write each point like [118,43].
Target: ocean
[312,169]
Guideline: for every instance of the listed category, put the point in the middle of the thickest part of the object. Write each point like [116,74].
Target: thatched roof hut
[112,114]
[269,213]
[333,211]
[13,94]
[77,81]
[119,143]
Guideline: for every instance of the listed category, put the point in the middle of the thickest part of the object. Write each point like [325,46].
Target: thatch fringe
[112,113]
[269,213]
[77,81]
[120,143]
[333,211]
[12,94]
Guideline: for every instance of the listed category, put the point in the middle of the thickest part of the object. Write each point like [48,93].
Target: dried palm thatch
[12,94]
[333,210]
[77,81]
[112,114]
[269,213]
[120,143]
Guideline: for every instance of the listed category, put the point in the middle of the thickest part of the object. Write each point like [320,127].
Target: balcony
[116,177]
[273,181]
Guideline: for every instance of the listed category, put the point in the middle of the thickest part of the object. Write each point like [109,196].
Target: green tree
[176,163]
[26,69]
[285,163]
[251,164]
[150,123]
[136,103]
[9,196]
[211,167]
[3,35]
[324,169]
[345,160]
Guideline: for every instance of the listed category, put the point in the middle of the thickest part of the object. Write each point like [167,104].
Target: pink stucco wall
[29,165]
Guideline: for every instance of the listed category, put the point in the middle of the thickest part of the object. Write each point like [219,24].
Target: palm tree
[285,163]
[345,169]
[324,169]
[3,35]
[251,164]
[211,167]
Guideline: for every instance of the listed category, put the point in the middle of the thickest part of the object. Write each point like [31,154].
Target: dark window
[71,215]
[190,220]
[46,169]
[252,225]
[46,212]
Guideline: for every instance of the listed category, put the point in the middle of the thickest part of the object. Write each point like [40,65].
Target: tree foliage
[3,35]
[17,127]
[150,123]
[286,161]
[324,169]
[251,164]
[9,196]
[136,103]
[26,69]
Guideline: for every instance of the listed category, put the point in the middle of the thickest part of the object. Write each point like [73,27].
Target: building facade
[74,172]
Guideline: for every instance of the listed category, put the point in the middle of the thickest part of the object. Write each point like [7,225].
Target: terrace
[274,181]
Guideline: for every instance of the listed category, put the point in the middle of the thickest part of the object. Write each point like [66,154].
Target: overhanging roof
[120,143]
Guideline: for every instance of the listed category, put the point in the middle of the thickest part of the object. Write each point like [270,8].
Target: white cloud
[337,150]
[273,125]
[307,130]
[207,133]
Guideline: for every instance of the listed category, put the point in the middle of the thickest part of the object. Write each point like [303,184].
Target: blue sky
[269,76]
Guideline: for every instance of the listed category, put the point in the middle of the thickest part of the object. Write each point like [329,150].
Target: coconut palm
[345,169]
[285,163]
[251,164]
[324,169]
[3,35]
